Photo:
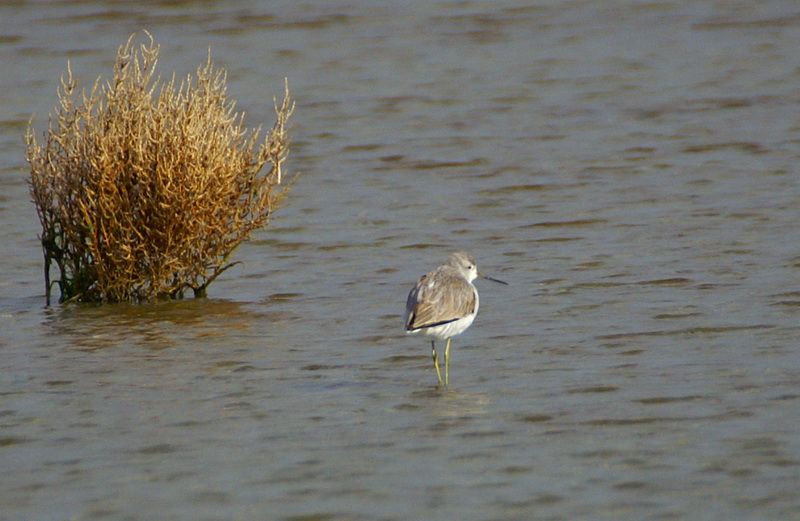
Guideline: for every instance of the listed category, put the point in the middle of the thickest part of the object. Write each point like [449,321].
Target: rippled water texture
[630,168]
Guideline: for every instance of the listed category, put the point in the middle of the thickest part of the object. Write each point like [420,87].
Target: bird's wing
[438,299]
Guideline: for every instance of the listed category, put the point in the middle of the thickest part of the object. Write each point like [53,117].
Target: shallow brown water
[630,168]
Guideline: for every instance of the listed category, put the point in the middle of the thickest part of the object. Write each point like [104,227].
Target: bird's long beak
[487,277]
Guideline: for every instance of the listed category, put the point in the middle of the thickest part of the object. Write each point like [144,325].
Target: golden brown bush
[145,188]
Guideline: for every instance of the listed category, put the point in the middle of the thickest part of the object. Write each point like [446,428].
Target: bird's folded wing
[439,300]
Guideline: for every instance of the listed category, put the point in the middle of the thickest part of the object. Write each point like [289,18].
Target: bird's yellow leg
[447,363]
[436,361]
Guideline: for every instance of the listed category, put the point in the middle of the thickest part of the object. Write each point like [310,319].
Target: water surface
[630,168]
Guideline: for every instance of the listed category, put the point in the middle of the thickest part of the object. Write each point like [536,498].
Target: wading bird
[444,303]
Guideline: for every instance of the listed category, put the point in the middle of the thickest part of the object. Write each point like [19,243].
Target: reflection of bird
[444,303]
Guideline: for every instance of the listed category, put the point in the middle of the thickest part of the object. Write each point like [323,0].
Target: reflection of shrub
[144,188]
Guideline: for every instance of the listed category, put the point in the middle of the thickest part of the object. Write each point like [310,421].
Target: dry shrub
[145,188]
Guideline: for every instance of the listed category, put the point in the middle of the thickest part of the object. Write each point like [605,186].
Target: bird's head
[465,264]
